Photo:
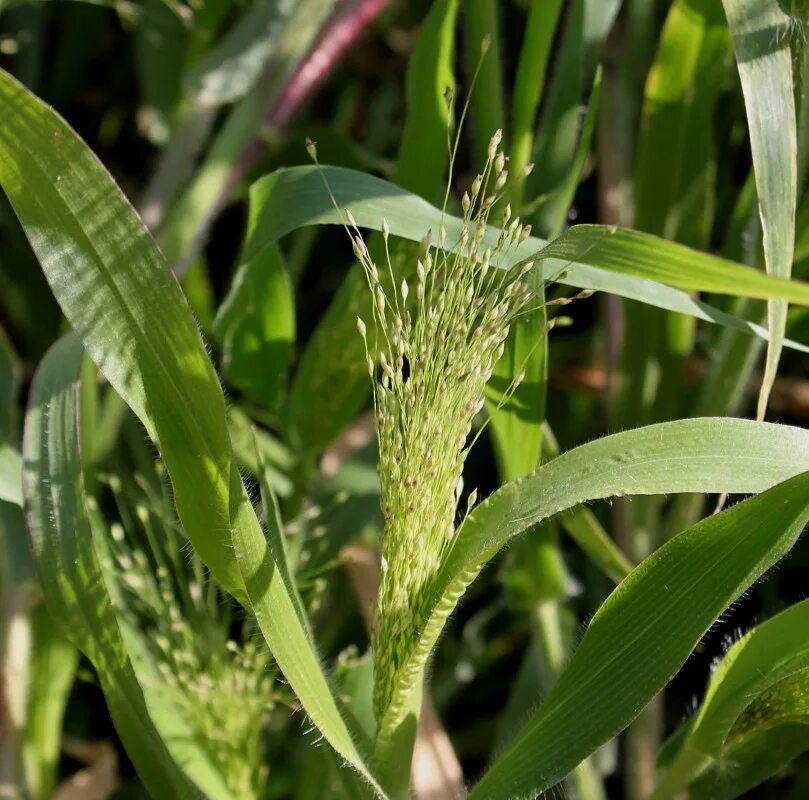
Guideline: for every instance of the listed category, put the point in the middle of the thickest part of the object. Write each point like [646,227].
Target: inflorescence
[437,340]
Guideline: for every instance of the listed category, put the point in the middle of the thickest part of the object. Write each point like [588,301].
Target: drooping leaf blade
[673,457]
[118,293]
[627,263]
[114,289]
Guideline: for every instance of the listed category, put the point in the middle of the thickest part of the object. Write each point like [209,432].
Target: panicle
[436,352]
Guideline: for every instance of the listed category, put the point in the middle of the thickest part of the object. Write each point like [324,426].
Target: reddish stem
[336,37]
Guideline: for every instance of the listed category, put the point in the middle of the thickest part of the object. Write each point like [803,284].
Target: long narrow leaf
[643,634]
[761,42]
[121,298]
[423,154]
[673,457]
[626,263]
[74,586]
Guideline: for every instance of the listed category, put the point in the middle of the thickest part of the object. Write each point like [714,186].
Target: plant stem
[642,739]
[688,765]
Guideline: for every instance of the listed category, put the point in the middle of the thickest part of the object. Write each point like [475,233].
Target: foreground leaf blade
[644,632]
[672,457]
[118,293]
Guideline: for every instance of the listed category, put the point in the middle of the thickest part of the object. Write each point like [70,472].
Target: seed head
[428,388]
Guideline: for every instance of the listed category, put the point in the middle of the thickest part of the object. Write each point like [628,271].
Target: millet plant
[311,531]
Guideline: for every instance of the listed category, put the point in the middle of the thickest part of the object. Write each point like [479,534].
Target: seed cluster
[223,689]
[436,346]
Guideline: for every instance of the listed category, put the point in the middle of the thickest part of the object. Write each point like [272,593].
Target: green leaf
[771,652]
[771,732]
[275,459]
[234,65]
[623,262]
[582,526]
[516,414]
[529,83]
[557,214]
[256,327]
[271,516]
[676,160]
[118,293]
[631,252]
[422,156]
[331,384]
[761,42]
[586,26]
[72,580]
[751,761]
[282,42]
[644,632]
[482,46]
[673,457]
[160,47]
